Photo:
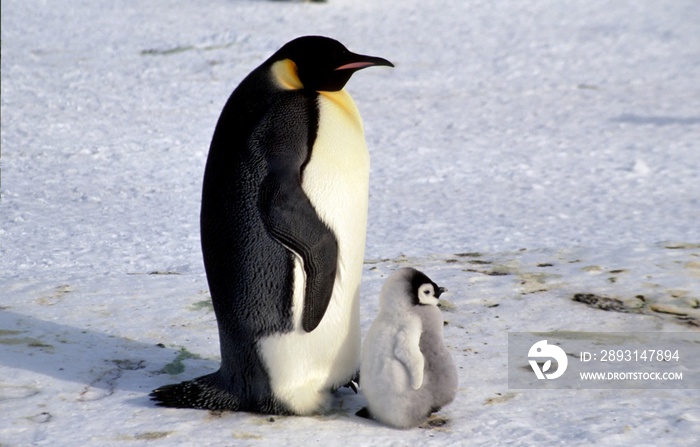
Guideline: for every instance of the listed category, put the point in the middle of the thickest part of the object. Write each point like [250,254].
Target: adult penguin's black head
[321,63]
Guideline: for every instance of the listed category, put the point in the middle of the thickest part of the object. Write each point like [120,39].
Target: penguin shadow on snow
[105,363]
[101,362]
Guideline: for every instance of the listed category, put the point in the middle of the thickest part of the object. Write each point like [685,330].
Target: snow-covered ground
[522,153]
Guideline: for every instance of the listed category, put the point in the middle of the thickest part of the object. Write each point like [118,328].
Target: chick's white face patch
[426,294]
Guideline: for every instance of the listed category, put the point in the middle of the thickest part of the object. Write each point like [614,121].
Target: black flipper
[292,219]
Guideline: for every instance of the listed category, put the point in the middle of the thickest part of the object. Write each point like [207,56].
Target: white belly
[303,366]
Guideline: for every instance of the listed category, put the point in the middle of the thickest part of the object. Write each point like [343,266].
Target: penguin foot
[201,393]
[363,413]
[354,382]
[210,393]
[352,385]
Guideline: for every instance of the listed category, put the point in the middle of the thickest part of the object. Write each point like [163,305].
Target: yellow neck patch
[343,101]
[284,73]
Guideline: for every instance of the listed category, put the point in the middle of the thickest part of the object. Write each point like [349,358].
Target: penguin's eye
[426,294]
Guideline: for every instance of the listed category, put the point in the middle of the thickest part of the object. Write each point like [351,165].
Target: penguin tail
[201,393]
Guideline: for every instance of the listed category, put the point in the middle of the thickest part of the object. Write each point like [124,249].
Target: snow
[522,152]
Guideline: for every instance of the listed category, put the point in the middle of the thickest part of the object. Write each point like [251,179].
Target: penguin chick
[407,372]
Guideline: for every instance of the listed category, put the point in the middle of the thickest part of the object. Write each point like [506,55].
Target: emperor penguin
[283,224]
[407,373]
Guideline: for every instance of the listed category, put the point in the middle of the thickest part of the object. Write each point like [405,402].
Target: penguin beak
[359,61]
[440,291]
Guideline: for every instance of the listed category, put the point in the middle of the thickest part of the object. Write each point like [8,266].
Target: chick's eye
[426,290]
